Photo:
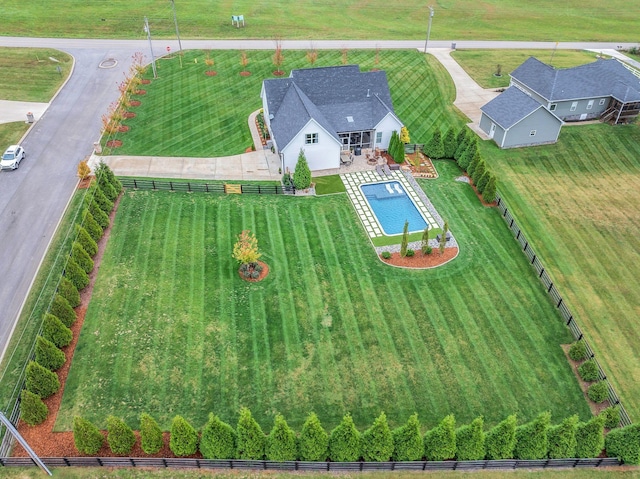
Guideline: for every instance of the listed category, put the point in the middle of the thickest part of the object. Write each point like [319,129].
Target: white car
[12,157]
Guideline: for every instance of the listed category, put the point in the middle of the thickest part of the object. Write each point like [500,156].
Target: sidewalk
[11,111]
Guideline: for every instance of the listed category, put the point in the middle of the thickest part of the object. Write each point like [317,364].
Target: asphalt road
[34,197]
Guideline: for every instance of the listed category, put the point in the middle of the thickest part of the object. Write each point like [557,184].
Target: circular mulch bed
[141,92]
[123,128]
[422,261]
[263,273]
[129,114]
[278,73]
[114,143]
[245,74]
[211,73]
[145,81]
[135,102]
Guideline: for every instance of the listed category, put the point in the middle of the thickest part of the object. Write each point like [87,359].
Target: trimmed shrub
[598,392]
[562,438]
[151,439]
[62,310]
[531,438]
[410,252]
[473,165]
[501,440]
[41,381]
[344,441]
[81,257]
[589,370]
[465,158]
[313,444]
[489,193]
[90,224]
[434,148]
[449,143]
[109,191]
[578,350]
[48,355]
[105,204]
[74,273]
[440,442]
[470,441]
[624,443]
[482,182]
[32,410]
[281,443]
[100,216]
[478,172]
[104,174]
[385,255]
[377,441]
[590,437]
[407,441]
[251,439]
[611,417]
[302,173]
[184,438]
[462,147]
[68,291]
[119,436]
[53,330]
[86,436]
[218,439]
[84,238]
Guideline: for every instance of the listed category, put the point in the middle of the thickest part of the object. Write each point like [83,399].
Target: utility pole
[431,12]
[175,21]
[153,59]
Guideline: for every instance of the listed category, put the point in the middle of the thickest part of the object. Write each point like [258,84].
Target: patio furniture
[346,159]
[387,171]
[379,170]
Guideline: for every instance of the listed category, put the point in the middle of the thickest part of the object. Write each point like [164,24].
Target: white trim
[590,104]
[533,132]
[574,106]
[602,101]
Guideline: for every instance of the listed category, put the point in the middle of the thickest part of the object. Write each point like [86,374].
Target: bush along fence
[591,370]
[38,379]
[186,186]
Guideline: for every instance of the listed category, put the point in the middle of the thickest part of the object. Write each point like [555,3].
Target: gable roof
[511,107]
[601,78]
[340,99]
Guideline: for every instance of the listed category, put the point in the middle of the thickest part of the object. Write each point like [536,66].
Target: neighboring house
[326,110]
[605,89]
[515,119]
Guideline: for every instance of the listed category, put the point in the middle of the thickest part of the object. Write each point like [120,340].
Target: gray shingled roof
[510,107]
[329,95]
[598,79]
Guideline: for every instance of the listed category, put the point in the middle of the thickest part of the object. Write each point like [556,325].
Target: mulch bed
[211,73]
[145,81]
[114,143]
[245,74]
[123,128]
[263,273]
[278,73]
[422,261]
[135,103]
[85,182]
[140,92]
[129,114]
[595,408]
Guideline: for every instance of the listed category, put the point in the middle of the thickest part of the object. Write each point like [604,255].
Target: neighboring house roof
[511,107]
[601,78]
[340,99]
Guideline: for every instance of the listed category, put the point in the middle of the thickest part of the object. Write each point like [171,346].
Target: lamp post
[175,20]
[431,12]
[153,60]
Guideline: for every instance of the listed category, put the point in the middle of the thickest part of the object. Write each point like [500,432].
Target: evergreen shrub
[74,273]
[531,438]
[62,310]
[53,330]
[407,441]
[500,441]
[281,443]
[344,441]
[151,439]
[302,173]
[590,437]
[589,370]
[251,440]
[578,350]
[598,392]
[119,436]
[184,438]
[313,444]
[48,355]
[624,443]
[449,143]
[611,416]
[562,438]
[81,257]
[440,442]
[32,410]
[40,380]
[91,225]
[218,439]
[68,291]
[87,437]
[470,441]
[84,238]
[377,441]
[490,190]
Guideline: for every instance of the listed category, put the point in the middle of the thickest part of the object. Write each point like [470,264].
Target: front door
[492,130]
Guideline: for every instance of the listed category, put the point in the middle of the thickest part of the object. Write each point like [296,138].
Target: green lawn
[569,20]
[172,329]
[187,113]
[578,202]
[481,65]
[326,185]
[10,133]
[35,65]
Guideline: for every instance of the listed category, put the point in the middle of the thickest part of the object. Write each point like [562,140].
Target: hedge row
[468,157]
[536,439]
[41,381]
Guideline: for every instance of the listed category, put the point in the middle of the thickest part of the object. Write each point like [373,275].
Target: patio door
[492,130]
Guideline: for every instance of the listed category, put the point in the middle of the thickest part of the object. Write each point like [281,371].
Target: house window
[553,107]
[311,138]
[590,104]
[532,133]
[602,100]
[378,137]
[574,105]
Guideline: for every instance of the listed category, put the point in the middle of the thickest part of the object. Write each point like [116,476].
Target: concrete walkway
[11,111]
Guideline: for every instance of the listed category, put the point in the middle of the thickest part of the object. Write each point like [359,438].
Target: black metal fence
[187,186]
[413,147]
[309,466]
[559,302]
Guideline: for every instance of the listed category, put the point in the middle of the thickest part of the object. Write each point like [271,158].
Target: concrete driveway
[11,111]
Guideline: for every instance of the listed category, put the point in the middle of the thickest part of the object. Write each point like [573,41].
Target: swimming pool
[392,206]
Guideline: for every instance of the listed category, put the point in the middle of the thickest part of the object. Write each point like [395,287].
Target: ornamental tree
[245,251]
[84,170]
[404,135]
[302,173]
[405,239]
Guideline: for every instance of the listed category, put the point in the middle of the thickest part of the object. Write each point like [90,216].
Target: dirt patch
[135,103]
[584,386]
[210,73]
[422,261]
[114,143]
[263,273]
[245,74]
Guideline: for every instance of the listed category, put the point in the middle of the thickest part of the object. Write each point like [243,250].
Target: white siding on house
[321,156]
[387,125]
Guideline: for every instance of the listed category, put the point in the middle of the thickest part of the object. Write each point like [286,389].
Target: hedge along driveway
[172,329]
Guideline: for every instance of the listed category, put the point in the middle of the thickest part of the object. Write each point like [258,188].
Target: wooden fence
[187,186]
[559,303]
[507,464]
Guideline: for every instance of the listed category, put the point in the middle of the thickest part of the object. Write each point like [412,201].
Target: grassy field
[187,113]
[172,329]
[326,185]
[11,133]
[578,203]
[570,20]
[35,64]
[482,64]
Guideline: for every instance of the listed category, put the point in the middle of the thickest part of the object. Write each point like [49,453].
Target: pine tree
[184,438]
[68,291]
[449,143]
[590,437]
[531,438]
[251,439]
[482,182]
[302,173]
[443,237]
[62,310]
[377,442]
[470,441]
[465,158]
[463,139]
[478,171]
[32,410]
[218,439]
[424,246]
[40,380]
[48,355]
[87,437]
[314,440]
[475,161]
[440,442]
[105,204]
[344,441]
[81,257]
[407,441]
[74,273]
[281,443]
[489,193]
[562,438]
[119,436]
[151,439]
[501,440]
[405,239]
[434,149]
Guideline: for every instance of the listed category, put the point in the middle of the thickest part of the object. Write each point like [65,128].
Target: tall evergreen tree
[470,441]
[314,440]
[377,442]
[344,441]
[590,437]
[467,156]
[531,438]
[463,139]
[482,182]
[449,143]
[434,149]
[475,161]
[501,439]
[440,442]
[443,237]
[405,239]
[302,173]
[478,171]
[281,443]
[407,441]
[251,440]
[425,240]
[489,193]
[562,438]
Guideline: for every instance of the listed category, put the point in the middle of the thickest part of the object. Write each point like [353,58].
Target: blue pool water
[392,206]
